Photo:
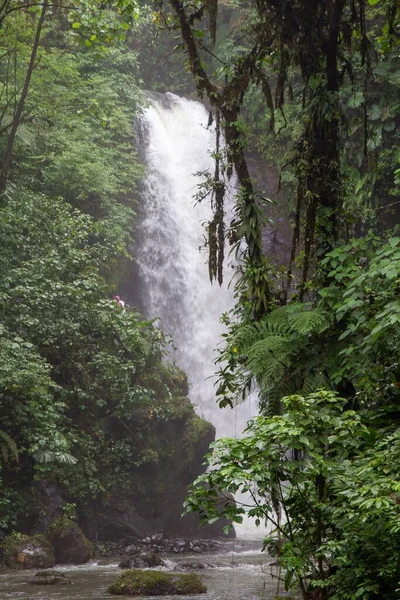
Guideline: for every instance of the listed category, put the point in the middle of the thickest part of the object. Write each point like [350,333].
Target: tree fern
[305,322]
[269,352]
[267,360]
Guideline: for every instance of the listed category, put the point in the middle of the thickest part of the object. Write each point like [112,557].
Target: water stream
[171,257]
[242,574]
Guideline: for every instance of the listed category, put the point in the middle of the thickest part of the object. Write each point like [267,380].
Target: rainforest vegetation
[307,89]
[83,382]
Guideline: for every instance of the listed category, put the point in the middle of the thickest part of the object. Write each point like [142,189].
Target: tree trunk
[20,107]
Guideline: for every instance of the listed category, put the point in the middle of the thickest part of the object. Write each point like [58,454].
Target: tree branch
[17,119]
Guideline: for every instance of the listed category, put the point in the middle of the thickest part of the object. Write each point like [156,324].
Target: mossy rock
[142,560]
[175,379]
[24,552]
[50,578]
[70,544]
[196,429]
[155,583]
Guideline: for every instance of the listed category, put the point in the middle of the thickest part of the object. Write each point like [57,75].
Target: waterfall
[171,258]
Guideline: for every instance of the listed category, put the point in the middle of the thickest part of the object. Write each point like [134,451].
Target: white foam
[172,261]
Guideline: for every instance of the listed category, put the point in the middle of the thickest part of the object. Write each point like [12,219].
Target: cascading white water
[171,259]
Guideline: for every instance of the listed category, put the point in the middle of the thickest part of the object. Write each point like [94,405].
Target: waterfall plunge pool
[241,572]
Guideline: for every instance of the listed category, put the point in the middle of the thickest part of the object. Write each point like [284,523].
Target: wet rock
[117,521]
[70,544]
[51,505]
[195,565]
[182,545]
[109,548]
[50,578]
[142,561]
[152,501]
[23,552]
[157,538]
[156,583]
[132,549]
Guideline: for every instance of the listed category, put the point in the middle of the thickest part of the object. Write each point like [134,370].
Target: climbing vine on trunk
[281,41]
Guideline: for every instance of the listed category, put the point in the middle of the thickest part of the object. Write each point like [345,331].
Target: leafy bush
[329,490]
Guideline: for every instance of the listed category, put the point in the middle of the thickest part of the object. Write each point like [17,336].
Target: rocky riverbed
[232,570]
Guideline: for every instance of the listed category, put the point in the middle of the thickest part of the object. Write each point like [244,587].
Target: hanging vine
[311,37]
[216,227]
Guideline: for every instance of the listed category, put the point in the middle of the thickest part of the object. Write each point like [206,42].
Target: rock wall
[155,502]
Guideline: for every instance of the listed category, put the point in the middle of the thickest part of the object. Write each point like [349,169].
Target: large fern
[308,321]
[268,353]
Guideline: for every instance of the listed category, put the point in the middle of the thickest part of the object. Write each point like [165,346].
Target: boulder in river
[156,583]
[194,566]
[70,544]
[50,578]
[142,561]
[24,552]
[132,549]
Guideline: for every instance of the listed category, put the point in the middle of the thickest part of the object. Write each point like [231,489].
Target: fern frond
[281,314]
[248,335]
[266,352]
[314,381]
[307,322]
[273,347]
[26,135]
[274,372]
[275,326]
[8,446]
[271,401]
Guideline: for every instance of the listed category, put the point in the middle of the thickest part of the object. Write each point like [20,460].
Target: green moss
[196,429]
[190,583]
[154,583]
[70,543]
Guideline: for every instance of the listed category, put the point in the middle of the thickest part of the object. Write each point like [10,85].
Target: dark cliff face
[143,497]
[154,502]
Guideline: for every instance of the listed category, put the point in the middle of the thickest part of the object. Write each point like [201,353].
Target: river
[239,572]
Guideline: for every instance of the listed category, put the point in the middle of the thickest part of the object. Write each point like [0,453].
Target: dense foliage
[313,88]
[83,382]
[330,495]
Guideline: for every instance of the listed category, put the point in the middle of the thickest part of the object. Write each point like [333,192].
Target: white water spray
[171,258]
